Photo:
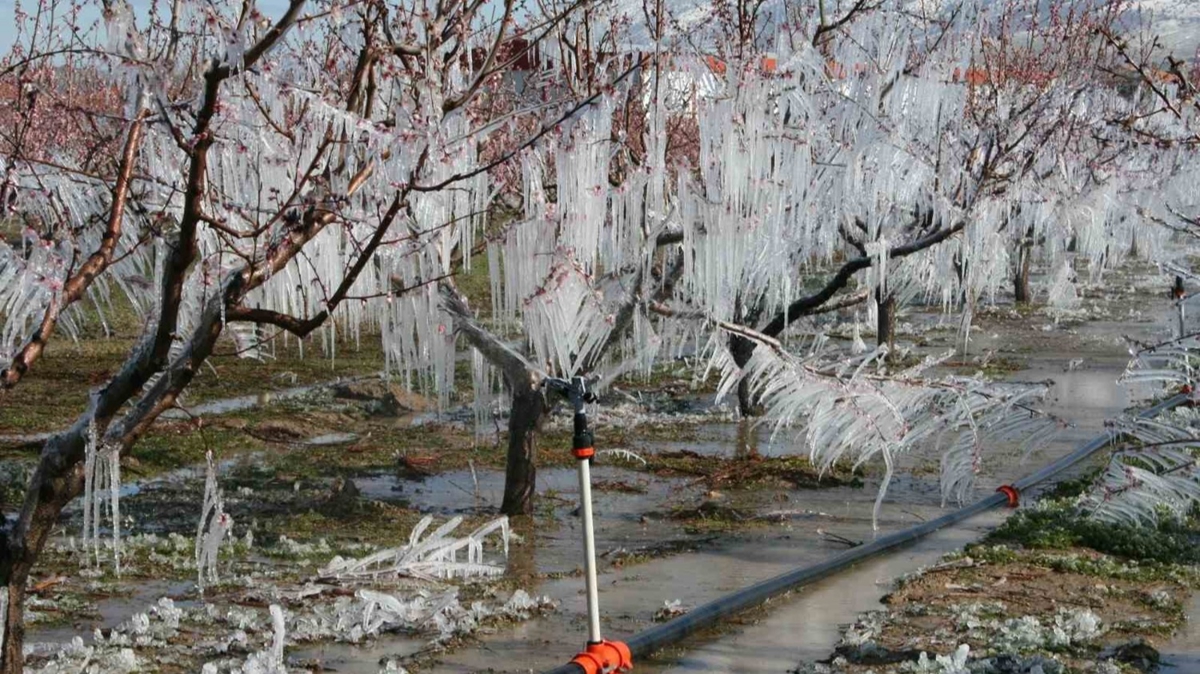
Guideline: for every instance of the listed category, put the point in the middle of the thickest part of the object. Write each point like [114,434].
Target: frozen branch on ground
[435,556]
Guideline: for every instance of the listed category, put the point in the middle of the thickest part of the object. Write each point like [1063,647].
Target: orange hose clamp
[1014,496]
[582,453]
[604,658]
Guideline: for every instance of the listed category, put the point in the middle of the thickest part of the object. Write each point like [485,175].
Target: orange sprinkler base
[605,657]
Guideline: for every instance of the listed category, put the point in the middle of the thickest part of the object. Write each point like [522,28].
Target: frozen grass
[231,632]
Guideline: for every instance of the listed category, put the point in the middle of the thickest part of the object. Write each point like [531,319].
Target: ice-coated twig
[214,525]
[622,454]
[435,556]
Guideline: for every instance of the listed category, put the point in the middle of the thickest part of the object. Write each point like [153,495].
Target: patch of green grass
[1083,561]
[377,523]
[476,284]
[796,470]
[57,388]
[1059,526]
[1074,488]
[169,446]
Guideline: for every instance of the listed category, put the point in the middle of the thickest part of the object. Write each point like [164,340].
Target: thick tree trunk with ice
[886,323]
[742,349]
[520,473]
[1021,289]
[57,480]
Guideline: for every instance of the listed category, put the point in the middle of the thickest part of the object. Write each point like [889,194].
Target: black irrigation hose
[657,637]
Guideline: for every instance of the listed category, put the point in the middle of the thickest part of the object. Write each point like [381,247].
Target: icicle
[101,482]
[89,486]
[431,557]
[277,622]
[481,377]
[888,471]
[114,488]
[858,346]
[214,525]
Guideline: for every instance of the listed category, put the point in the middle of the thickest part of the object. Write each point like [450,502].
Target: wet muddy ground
[710,506]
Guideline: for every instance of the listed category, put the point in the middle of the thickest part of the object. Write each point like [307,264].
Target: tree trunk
[12,657]
[886,330]
[520,473]
[742,349]
[18,555]
[53,485]
[1021,290]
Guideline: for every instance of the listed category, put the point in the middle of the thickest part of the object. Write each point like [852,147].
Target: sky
[1177,21]
[92,13]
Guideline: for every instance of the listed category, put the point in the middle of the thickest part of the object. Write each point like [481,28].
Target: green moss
[1084,562]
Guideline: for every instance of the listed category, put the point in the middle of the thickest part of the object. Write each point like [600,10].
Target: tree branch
[806,305]
[95,265]
[512,364]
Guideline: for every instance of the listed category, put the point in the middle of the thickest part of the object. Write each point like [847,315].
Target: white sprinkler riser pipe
[589,551]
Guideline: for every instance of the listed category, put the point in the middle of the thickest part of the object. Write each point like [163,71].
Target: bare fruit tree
[236,176]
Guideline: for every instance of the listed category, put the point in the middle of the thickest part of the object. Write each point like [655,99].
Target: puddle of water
[114,610]
[734,440]
[368,658]
[1182,652]
[807,625]
[630,598]
[331,439]
[239,403]
[463,491]
[619,521]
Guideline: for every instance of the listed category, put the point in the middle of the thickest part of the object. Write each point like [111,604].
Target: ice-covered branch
[514,366]
[844,411]
[806,305]
[78,283]
[435,556]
